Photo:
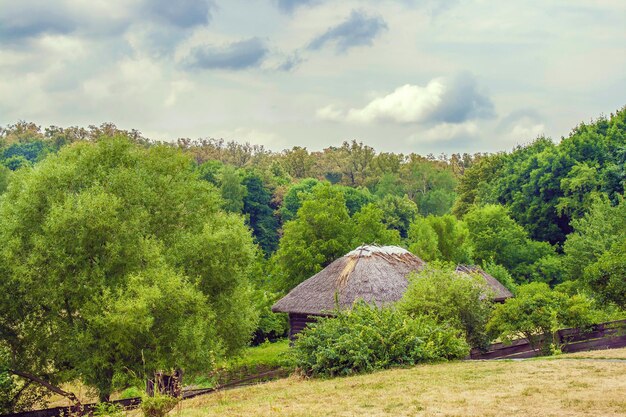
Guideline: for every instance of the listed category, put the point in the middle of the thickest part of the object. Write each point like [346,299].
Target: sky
[420,76]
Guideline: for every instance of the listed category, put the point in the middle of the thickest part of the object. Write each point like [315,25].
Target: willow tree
[118,261]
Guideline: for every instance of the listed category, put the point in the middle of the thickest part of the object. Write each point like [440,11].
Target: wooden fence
[601,336]
[130,403]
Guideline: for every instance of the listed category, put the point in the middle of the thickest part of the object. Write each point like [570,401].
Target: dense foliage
[462,301]
[367,338]
[117,261]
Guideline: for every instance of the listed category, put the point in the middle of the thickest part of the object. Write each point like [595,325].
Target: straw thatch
[375,274]
[500,292]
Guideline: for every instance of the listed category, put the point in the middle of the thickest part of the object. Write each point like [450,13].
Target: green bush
[131,392]
[108,410]
[537,313]
[367,338]
[459,300]
[157,406]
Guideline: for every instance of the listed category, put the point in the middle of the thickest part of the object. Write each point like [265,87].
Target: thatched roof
[375,274]
[501,293]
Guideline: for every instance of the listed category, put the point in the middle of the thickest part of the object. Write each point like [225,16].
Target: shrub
[158,406]
[367,338]
[108,410]
[537,312]
[131,392]
[460,300]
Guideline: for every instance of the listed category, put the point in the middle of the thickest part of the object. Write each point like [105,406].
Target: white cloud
[442,100]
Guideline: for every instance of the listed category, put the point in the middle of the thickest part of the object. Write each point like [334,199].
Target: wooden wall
[297,322]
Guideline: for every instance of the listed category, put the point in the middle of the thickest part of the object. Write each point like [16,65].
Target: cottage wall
[297,322]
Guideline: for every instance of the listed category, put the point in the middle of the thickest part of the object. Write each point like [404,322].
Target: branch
[48,385]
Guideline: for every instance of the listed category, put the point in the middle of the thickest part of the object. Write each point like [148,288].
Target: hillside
[583,384]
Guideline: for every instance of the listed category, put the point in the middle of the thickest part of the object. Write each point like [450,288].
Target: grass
[253,360]
[573,387]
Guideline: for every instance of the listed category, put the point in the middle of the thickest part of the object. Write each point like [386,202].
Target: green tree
[440,237]
[321,232]
[127,261]
[594,234]
[369,228]
[233,191]
[607,276]
[294,197]
[497,238]
[398,213]
[258,210]
[537,312]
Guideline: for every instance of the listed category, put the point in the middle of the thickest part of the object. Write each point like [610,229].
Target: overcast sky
[406,76]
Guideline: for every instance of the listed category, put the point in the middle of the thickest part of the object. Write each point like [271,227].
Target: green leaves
[119,260]
[367,338]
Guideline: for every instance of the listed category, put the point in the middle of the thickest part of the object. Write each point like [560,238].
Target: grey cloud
[358,30]
[291,62]
[182,13]
[463,100]
[25,20]
[235,56]
[289,6]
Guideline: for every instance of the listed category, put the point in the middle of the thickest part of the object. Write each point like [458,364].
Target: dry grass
[600,354]
[573,387]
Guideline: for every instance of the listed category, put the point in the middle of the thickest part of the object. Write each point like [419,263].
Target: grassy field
[582,384]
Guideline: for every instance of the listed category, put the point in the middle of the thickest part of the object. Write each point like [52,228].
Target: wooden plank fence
[600,336]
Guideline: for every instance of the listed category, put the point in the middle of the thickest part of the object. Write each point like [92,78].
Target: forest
[122,256]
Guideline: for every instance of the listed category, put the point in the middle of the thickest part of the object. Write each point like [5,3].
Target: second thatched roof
[375,274]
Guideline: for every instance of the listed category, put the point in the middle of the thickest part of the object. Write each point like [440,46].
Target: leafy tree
[257,207]
[537,312]
[607,276]
[320,233]
[233,191]
[459,300]
[369,228]
[497,238]
[298,162]
[594,234]
[5,174]
[356,198]
[211,171]
[440,237]
[294,197]
[126,260]
[398,213]
[389,185]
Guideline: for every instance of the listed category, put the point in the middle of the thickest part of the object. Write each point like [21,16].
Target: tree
[536,313]
[320,233]
[440,237]
[118,261]
[607,276]
[497,238]
[233,192]
[594,234]
[369,228]
[256,206]
[398,213]
[294,197]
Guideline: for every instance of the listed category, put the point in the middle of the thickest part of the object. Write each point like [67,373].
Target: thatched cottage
[375,274]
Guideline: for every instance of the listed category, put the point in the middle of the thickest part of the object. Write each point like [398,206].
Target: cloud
[289,6]
[181,13]
[235,56]
[442,100]
[358,30]
[291,62]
